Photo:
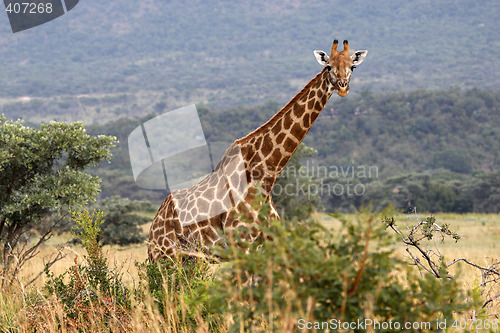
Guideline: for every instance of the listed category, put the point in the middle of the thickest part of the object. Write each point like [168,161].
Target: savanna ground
[480,241]
[479,244]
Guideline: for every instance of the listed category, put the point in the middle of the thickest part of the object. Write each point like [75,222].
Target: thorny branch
[425,258]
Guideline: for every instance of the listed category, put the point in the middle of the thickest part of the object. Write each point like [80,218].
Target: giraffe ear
[322,57]
[358,57]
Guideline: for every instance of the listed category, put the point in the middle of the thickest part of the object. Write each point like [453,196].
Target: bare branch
[490,300]
[493,271]
[60,255]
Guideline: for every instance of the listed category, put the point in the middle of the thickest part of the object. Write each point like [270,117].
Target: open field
[480,242]
[480,233]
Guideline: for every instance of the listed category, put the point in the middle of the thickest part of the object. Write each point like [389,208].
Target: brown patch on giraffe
[324,99]
[298,110]
[203,224]
[318,106]
[297,131]
[216,221]
[289,144]
[305,120]
[280,138]
[277,127]
[258,142]
[310,104]
[176,225]
[323,85]
[318,84]
[287,122]
[157,233]
[257,172]
[275,157]
[267,146]
[255,160]
[210,235]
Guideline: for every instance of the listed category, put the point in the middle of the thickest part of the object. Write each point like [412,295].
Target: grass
[479,243]
[480,232]
[480,235]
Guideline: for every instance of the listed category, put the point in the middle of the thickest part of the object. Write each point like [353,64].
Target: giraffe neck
[267,150]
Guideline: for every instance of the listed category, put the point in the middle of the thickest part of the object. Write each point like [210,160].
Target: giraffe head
[340,65]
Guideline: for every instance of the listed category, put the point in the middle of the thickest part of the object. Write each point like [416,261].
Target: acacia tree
[41,172]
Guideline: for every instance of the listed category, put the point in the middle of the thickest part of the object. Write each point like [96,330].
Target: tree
[41,172]
[121,223]
[486,193]
[295,193]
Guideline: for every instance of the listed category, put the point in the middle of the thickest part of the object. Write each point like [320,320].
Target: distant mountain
[393,133]
[163,54]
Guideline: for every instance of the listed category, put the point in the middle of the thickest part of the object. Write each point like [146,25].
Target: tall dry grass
[19,311]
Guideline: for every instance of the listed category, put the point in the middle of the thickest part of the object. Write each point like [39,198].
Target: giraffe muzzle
[343,88]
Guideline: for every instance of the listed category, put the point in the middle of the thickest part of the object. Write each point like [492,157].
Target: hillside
[106,59]
[423,140]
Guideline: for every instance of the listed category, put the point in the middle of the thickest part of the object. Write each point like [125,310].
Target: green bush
[93,291]
[181,282]
[306,273]
[122,222]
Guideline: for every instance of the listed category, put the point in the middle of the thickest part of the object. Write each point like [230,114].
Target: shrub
[306,273]
[179,287]
[94,297]
[122,223]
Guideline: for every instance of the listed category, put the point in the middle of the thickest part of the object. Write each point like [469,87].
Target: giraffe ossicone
[199,213]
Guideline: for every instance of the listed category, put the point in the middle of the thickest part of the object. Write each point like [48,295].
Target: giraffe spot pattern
[268,149]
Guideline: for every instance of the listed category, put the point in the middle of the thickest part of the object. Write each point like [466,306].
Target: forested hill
[224,53]
[419,132]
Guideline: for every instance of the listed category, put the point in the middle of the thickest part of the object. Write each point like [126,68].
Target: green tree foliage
[407,137]
[249,52]
[456,160]
[42,171]
[295,194]
[486,193]
[122,221]
[427,193]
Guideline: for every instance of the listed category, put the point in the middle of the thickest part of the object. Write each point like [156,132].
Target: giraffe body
[195,215]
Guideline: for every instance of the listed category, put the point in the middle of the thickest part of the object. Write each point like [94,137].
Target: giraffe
[195,214]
